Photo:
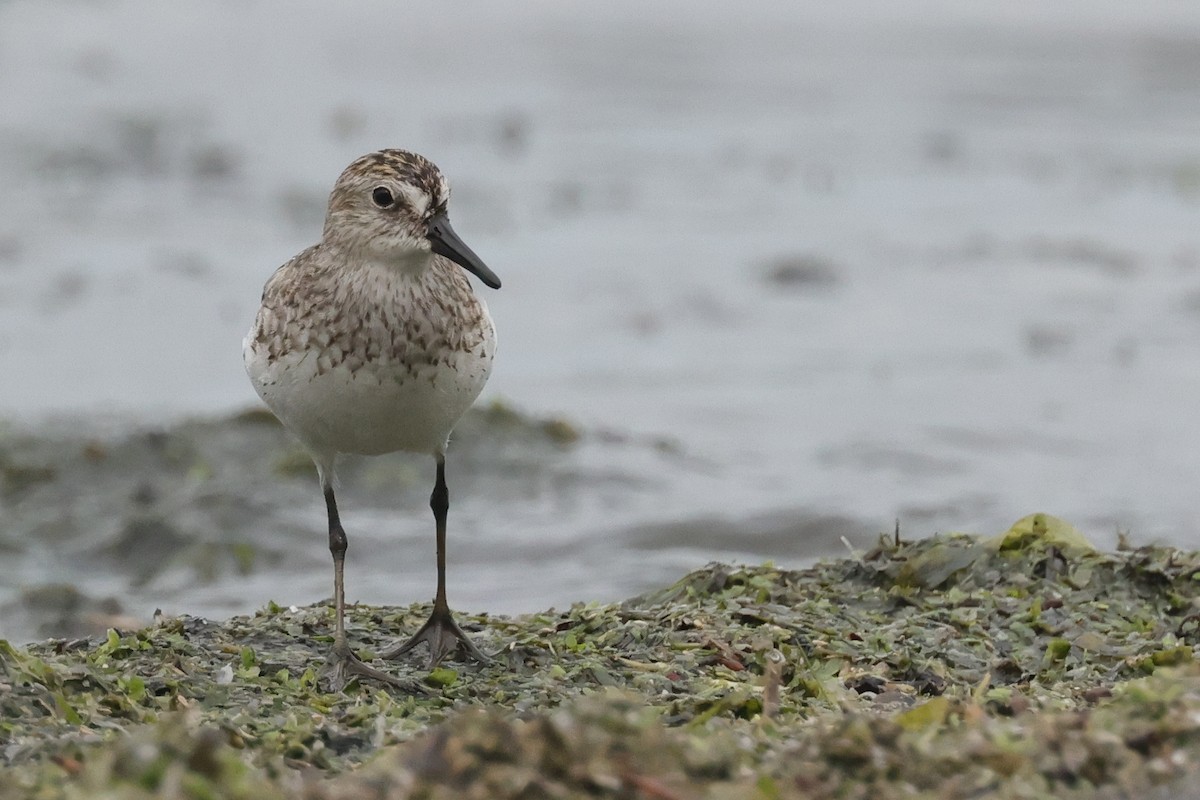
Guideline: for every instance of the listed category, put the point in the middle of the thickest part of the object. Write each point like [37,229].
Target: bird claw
[342,665]
[443,636]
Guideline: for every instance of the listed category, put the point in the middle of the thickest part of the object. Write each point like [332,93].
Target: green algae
[1025,665]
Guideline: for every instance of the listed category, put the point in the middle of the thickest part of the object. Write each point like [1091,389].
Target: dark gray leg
[440,630]
[342,662]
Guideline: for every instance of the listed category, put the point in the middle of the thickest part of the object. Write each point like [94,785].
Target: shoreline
[1021,664]
[214,515]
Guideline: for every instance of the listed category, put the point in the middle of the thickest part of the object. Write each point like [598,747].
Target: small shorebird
[373,341]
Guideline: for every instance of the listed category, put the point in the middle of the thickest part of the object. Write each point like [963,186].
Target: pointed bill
[446,243]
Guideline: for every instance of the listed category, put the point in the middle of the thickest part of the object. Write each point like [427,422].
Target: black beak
[445,242]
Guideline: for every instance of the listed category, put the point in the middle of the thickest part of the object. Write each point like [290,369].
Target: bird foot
[342,665]
[444,636]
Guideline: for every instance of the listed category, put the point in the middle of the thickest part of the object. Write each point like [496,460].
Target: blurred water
[937,262]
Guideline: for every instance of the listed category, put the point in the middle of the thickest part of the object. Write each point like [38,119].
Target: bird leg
[342,664]
[440,631]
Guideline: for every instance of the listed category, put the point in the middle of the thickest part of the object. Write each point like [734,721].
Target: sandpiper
[373,341]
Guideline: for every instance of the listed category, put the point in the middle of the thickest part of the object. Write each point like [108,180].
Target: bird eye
[382,197]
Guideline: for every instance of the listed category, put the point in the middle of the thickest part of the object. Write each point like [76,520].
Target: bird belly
[370,407]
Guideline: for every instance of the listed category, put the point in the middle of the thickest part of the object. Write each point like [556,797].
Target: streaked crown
[383,202]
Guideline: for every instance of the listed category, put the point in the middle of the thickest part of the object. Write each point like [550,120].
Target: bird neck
[397,261]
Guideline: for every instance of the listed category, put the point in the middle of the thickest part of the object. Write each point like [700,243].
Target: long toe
[445,640]
[342,665]
[444,637]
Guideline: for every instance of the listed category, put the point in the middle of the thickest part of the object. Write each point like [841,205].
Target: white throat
[405,260]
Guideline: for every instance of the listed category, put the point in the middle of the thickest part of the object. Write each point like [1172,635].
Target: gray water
[795,270]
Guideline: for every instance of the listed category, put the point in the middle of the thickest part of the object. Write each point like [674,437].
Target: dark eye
[382,197]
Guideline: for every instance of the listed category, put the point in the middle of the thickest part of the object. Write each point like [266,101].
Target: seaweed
[1024,665]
